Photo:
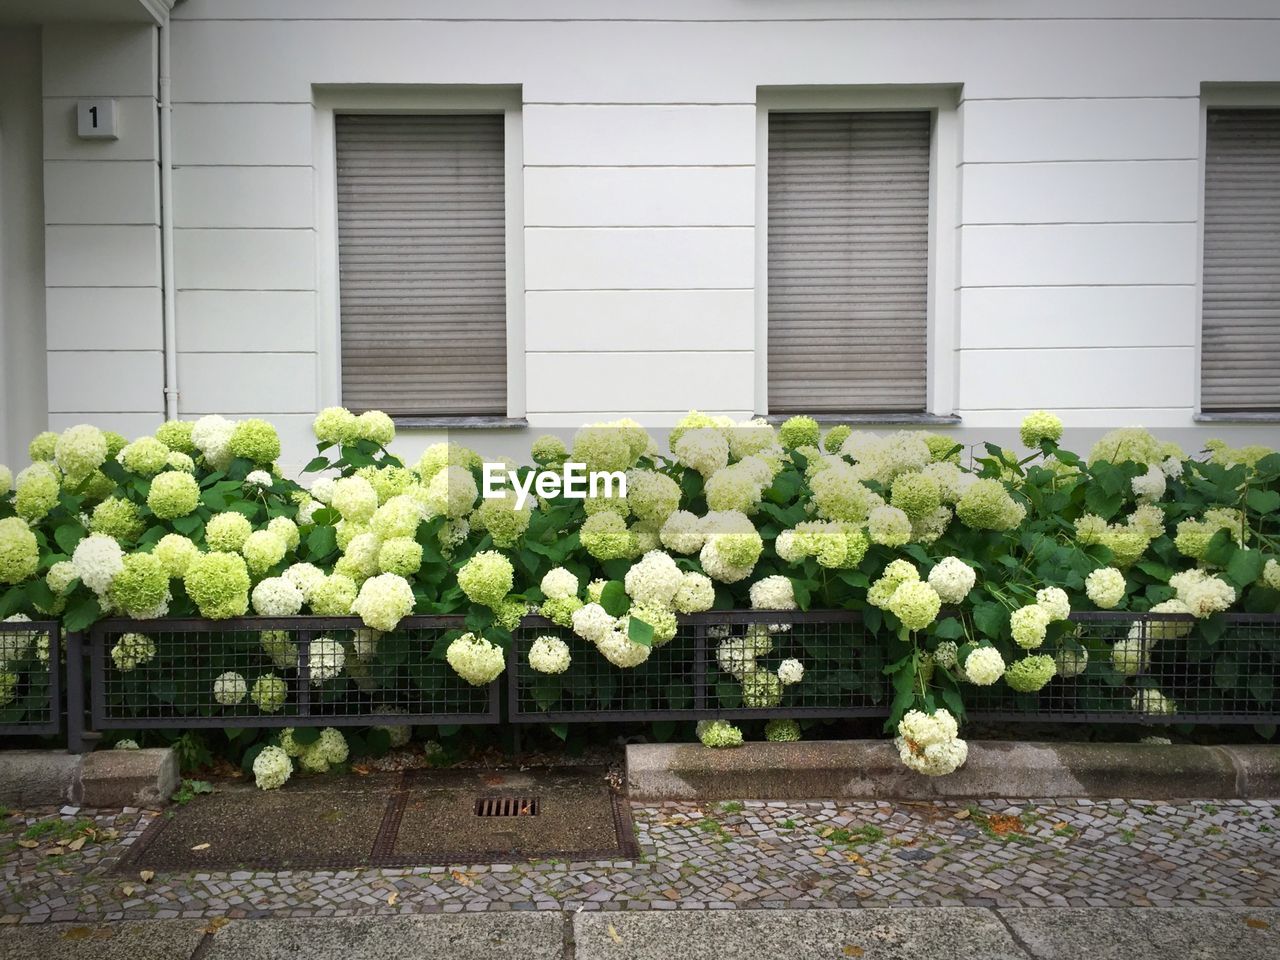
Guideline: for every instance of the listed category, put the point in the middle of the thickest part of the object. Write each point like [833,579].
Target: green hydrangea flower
[333,596]
[118,518]
[218,584]
[1040,426]
[486,578]
[36,491]
[799,432]
[255,440]
[176,435]
[719,733]
[400,555]
[42,446]
[173,494]
[141,588]
[1030,673]
[376,426]
[916,495]
[549,450]
[175,552]
[227,531]
[836,437]
[782,730]
[146,456]
[19,551]
[269,693]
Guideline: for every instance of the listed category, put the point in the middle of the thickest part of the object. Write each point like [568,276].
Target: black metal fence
[30,677]
[272,672]
[277,672]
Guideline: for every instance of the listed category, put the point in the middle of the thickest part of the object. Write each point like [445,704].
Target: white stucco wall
[23,410]
[1070,279]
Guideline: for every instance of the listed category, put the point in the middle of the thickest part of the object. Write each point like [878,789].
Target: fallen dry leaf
[201,846]
[864,872]
[613,934]
[88,933]
[216,924]
[461,878]
[851,951]
[821,851]
[962,815]
[1256,924]
[361,769]
[28,844]
[392,897]
[126,889]
[146,876]
[853,857]
[77,843]
[826,832]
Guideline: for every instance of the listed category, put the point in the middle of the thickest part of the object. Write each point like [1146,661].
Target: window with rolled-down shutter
[422,263]
[1240,319]
[848,261]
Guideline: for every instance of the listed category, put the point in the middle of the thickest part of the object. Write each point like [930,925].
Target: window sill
[868,419]
[1270,416]
[459,423]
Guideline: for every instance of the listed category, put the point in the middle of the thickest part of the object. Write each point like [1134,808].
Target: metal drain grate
[507,807]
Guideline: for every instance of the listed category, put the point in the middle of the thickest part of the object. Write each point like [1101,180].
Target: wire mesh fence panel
[816,664]
[1193,672]
[662,687]
[276,672]
[30,677]
[1087,686]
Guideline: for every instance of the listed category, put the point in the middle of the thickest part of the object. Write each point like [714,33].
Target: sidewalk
[777,879]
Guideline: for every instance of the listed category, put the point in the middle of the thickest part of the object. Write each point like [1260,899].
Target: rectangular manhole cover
[424,817]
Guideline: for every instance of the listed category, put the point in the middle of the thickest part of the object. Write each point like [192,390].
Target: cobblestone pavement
[715,856]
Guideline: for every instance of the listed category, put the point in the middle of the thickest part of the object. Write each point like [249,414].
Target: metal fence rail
[30,678]
[275,672]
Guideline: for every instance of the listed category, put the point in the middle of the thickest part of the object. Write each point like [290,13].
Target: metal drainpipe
[168,293]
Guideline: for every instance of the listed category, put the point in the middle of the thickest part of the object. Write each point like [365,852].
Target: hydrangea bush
[965,564]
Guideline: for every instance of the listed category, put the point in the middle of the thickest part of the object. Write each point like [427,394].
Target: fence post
[75,693]
[700,666]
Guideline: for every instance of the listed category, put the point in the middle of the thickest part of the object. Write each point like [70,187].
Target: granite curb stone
[870,769]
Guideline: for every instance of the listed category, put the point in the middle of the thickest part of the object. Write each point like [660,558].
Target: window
[848,261]
[422,263]
[1240,325]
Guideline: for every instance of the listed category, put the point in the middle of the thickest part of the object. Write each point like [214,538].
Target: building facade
[498,217]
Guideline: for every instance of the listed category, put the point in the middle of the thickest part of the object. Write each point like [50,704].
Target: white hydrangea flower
[132,651]
[1071,661]
[696,594]
[1172,468]
[549,655]
[327,659]
[934,760]
[704,449]
[282,651]
[592,622]
[1150,486]
[559,584]
[322,489]
[211,435]
[475,659]
[355,499]
[654,579]
[258,478]
[952,579]
[790,671]
[384,601]
[622,651]
[272,768]
[1053,600]
[277,597]
[984,666]
[97,559]
[229,688]
[305,576]
[1270,574]
[773,593]
[682,532]
[1105,587]
[889,526]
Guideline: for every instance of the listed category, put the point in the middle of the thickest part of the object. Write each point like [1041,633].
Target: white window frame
[942,102]
[330,101]
[1222,96]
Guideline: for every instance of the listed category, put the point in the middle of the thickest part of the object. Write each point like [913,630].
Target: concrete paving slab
[1188,933]
[31,778]
[130,940]
[944,933]
[507,936]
